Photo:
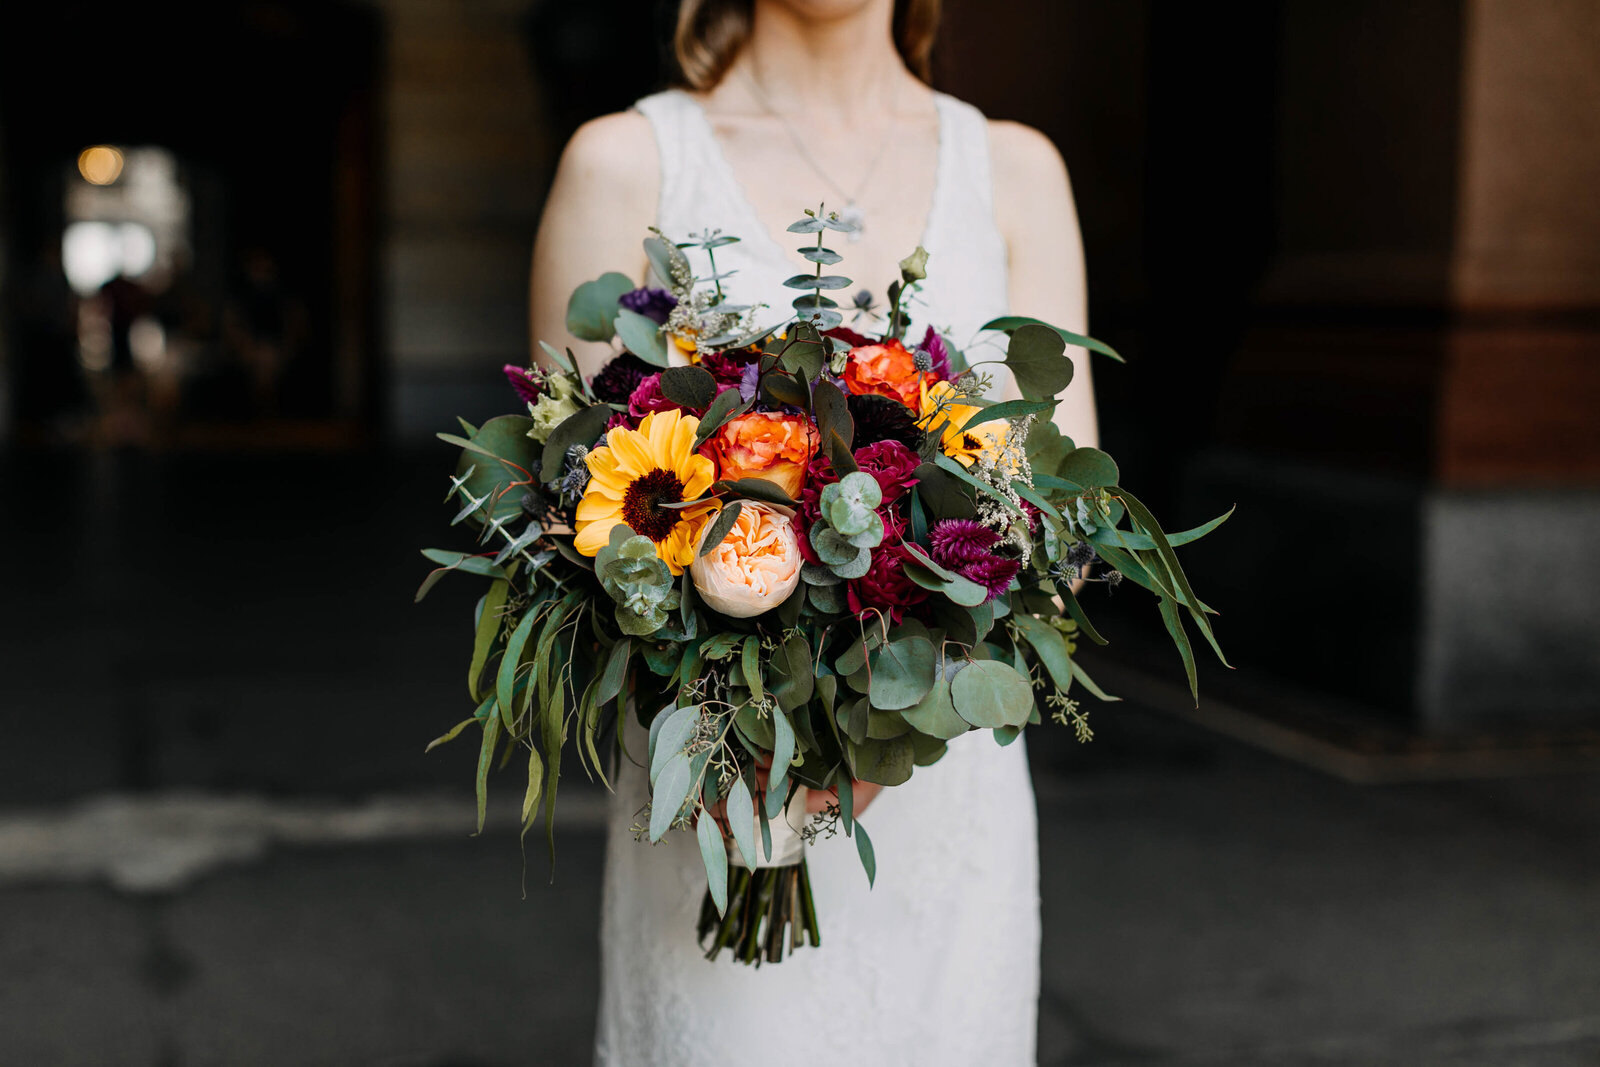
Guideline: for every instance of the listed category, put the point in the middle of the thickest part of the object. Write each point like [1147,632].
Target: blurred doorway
[187,201]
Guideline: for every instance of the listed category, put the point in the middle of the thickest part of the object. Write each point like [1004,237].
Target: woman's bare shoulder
[1021,152]
[618,150]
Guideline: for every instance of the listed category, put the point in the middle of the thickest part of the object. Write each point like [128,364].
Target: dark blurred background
[253,255]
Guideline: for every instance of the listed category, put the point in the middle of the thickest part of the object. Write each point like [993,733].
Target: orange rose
[884,369]
[767,445]
[756,566]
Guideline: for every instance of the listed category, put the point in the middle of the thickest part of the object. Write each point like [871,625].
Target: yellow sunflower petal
[634,455]
[697,473]
[594,536]
[594,507]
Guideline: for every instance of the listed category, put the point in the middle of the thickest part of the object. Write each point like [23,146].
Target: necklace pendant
[855,218]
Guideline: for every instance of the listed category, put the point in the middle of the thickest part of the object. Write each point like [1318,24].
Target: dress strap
[964,150]
[680,132]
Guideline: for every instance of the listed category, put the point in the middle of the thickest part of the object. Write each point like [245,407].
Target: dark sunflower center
[970,442]
[642,504]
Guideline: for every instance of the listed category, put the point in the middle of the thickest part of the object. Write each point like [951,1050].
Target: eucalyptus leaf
[668,794]
[593,306]
[692,387]
[641,335]
[869,860]
[583,428]
[1009,323]
[935,715]
[714,854]
[724,407]
[742,820]
[988,693]
[1037,360]
[902,673]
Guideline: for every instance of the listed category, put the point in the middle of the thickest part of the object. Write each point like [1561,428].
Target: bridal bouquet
[804,558]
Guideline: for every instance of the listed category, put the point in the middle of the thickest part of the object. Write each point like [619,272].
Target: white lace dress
[939,962]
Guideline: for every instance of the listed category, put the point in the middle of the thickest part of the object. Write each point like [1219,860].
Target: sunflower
[964,445]
[635,474]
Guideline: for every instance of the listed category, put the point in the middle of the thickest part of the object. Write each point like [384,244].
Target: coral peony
[767,445]
[886,369]
[756,566]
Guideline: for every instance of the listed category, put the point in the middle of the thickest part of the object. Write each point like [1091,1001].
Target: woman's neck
[841,70]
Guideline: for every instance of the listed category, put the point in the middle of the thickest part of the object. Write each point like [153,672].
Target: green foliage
[593,307]
[1037,361]
[988,693]
[638,580]
[641,336]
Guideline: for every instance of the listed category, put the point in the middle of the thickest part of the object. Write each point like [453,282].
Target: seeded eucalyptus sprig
[823,310]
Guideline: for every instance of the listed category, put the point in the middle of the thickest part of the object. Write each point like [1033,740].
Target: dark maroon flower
[849,336]
[967,547]
[523,381]
[885,585]
[617,380]
[891,463]
[729,368]
[938,354]
[653,304]
[881,418]
[623,419]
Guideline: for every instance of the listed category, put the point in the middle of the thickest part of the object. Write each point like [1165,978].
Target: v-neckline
[753,217]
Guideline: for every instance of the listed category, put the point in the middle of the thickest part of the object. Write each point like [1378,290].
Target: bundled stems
[770,911]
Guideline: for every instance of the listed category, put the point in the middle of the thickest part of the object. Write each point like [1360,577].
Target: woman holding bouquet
[788,103]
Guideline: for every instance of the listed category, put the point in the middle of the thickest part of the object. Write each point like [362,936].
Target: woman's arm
[1037,217]
[599,211]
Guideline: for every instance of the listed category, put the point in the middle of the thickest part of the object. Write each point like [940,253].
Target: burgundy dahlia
[892,464]
[653,304]
[617,380]
[729,368]
[967,547]
[523,381]
[647,398]
[885,585]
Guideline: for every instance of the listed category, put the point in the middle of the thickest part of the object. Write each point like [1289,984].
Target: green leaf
[988,693]
[884,762]
[505,680]
[641,336]
[1089,684]
[721,410]
[1008,323]
[530,798]
[759,489]
[1009,409]
[1038,361]
[665,260]
[1174,624]
[1051,647]
[793,680]
[453,732]
[693,387]
[489,623]
[721,526]
[616,672]
[714,854]
[782,389]
[846,790]
[1075,609]
[499,454]
[672,737]
[593,306]
[582,428]
[667,797]
[750,661]
[869,862]
[742,820]
[832,410]
[1089,467]
[950,466]
[491,737]
[782,755]
[935,715]
[902,673]
[943,494]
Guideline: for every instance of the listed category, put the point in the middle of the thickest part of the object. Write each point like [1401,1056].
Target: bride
[787,104]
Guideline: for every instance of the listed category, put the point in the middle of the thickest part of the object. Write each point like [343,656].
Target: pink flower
[523,381]
[967,547]
[891,463]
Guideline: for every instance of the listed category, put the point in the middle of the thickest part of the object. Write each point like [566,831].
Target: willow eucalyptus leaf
[714,854]
[668,794]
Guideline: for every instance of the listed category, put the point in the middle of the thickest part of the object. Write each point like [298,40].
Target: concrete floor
[242,631]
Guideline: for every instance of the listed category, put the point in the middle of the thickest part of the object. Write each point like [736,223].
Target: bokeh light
[100,164]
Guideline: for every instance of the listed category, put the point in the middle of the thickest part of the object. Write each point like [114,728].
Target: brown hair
[710,34]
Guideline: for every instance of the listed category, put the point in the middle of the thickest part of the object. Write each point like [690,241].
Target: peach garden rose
[756,566]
